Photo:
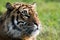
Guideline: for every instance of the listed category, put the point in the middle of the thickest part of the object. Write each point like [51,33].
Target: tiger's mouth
[22,28]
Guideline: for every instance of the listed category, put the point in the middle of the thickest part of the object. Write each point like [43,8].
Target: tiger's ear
[34,5]
[9,6]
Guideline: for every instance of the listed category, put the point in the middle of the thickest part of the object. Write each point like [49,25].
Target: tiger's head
[21,21]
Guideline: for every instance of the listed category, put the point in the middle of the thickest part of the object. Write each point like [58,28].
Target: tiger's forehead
[23,5]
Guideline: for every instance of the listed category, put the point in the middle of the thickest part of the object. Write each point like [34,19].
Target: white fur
[15,22]
[13,32]
[36,32]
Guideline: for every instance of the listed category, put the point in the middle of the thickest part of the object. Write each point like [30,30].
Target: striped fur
[20,22]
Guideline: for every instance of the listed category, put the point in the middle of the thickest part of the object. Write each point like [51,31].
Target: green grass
[49,15]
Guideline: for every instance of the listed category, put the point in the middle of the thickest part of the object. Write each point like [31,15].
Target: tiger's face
[21,20]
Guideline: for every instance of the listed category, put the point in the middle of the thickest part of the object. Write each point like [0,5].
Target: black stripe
[18,12]
[17,18]
[12,19]
[14,26]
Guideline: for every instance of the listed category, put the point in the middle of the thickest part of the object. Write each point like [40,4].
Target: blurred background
[48,13]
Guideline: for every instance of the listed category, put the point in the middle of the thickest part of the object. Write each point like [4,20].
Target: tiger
[19,22]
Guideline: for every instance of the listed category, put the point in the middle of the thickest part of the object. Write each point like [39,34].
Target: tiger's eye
[24,12]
